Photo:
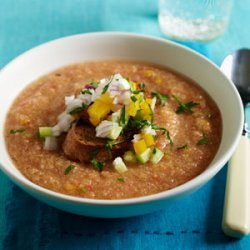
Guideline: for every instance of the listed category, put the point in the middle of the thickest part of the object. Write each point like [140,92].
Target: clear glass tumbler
[194,20]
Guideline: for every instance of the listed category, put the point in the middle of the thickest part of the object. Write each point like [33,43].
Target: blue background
[192,223]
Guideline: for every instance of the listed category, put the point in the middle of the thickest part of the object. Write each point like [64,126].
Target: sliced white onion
[69,99]
[149,130]
[76,103]
[56,130]
[123,98]
[50,143]
[86,98]
[104,128]
[153,103]
[65,122]
[137,137]
[116,115]
[99,90]
[119,165]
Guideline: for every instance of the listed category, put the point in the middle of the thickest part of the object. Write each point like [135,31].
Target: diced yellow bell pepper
[94,121]
[106,98]
[98,111]
[148,101]
[140,146]
[132,109]
[145,110]
[149,139]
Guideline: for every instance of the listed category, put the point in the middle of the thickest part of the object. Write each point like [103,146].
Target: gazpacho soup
[112,130]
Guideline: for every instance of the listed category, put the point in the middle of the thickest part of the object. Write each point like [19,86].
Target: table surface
[193,223]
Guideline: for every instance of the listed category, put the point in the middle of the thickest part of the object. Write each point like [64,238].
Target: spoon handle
[236,217]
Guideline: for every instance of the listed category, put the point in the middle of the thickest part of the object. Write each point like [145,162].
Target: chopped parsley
[161,98]
[120,179]
[13,131]
[133,98]
[142,85]
[96,164]
[169,138]
[154,150]
[78,109]
[137,123]
[138,91]
[109,146]
[122,119]
[204,140]
[184,106]
[94,83]
[183,147]
[164,132]
[86,91]
[157,128]
[105,88]
[69,168]
[94,153]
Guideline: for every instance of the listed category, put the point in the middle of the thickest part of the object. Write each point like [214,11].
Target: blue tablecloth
[192,223]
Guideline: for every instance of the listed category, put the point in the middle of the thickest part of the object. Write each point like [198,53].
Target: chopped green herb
[105,88]
[203,140]
[120,179]
[78,109]
[157,128]
[122,119]
[94,83]
[169,138]
[151,113]
[69,168]
[142,85]
[133,98]
[164,132]
[12,131]
[109,146]
[183,147]
[154,150]
[94,153]
[137,124]
[138,91]
[97,164]
[184,107]
[86,91]
[161,98]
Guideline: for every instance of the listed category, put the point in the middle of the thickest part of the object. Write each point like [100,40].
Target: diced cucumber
[156,155]
[144,157]
[115,131]
[45,132]
[119,165]
[129,156]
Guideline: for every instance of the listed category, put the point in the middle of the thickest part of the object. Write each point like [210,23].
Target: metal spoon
[236,216]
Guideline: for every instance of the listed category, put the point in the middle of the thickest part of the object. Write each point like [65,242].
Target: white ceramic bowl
[52,55]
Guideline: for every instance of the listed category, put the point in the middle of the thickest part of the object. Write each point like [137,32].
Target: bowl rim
[192,184]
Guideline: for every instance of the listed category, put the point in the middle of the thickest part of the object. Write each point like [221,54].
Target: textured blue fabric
[192,223]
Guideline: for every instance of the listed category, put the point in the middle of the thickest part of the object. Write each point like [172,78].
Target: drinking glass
[194,20]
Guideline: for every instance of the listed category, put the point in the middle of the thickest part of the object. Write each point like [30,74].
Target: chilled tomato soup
[112,130]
